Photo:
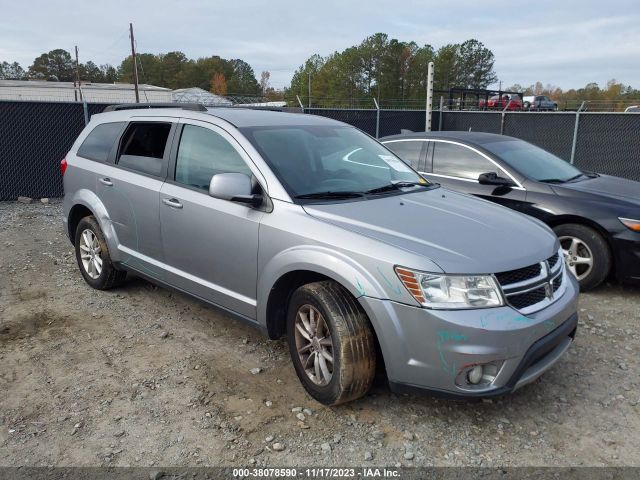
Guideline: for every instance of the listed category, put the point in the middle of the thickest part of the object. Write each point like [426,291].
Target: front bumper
[428,349]
[626,247]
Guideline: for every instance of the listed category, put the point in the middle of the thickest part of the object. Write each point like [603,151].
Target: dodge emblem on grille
[548,290]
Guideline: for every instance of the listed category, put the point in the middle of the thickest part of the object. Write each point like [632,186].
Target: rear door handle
[172,202]
[106,181]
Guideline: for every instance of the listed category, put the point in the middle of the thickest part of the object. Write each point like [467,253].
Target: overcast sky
[565,43]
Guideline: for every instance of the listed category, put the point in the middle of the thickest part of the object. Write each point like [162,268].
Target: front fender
[90,200]
[313,258]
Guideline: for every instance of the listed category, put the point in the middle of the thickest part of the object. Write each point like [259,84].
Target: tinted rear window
[408,150]
[99,142]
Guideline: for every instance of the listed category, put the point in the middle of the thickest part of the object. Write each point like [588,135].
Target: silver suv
[307,228]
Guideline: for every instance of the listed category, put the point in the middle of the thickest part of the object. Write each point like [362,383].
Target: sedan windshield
[533,162]
[331,162]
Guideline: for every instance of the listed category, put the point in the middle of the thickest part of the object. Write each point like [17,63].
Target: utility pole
[135,63]
[309,89]
[78,75]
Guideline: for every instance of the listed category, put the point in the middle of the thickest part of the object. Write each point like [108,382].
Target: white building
[44,91]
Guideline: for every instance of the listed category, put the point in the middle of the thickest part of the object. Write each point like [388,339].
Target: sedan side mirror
[235,187]
[492,178]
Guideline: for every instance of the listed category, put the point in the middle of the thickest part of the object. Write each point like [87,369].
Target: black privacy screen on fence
[34,137]
[609,143]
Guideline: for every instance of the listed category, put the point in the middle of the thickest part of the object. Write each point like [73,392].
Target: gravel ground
[144,376]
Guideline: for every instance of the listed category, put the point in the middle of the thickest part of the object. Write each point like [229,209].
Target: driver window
[203,153]
[457,161]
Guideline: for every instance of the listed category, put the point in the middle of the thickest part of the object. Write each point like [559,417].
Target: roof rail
[138,106]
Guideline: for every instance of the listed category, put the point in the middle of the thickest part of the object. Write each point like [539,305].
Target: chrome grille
[519,275]
[526,299]
[534,287]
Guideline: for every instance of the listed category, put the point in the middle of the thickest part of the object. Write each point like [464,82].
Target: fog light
[475,375]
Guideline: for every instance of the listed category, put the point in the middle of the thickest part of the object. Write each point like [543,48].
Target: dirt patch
[28,325]
[144,376]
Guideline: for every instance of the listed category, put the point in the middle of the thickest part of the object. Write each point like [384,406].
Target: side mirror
[492,178]
[235,187]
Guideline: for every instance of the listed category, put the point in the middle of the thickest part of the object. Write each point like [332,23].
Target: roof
[84,85]
[478,138]
[237,116]
[247,117]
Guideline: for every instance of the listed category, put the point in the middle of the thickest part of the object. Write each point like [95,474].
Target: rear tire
[343,334]
[581,245]
[92,255]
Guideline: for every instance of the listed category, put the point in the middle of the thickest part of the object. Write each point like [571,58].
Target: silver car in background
[308,228]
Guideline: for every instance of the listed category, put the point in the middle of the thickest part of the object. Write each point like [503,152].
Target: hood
[460,233]
[604,186]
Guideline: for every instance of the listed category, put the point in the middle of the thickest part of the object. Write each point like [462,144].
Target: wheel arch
[85,202]
[566,219]
[296,266]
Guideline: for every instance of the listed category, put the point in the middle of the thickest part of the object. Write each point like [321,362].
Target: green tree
[11,71]
[90,72]
[474,65]
[308,72]
[55,65]
[243,79]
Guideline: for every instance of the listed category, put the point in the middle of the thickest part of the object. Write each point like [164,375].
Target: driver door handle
[172,202]
[106,181]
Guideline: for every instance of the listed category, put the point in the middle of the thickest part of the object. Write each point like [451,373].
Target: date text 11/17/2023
[319,472]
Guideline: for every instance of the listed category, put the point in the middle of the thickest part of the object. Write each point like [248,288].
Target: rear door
[457,166]
[412,151]
[210,245]
[129,186]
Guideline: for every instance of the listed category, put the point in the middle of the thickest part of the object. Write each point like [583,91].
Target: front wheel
[331,343]
[586,254]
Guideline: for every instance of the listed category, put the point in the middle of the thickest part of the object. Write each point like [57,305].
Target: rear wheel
[586,254]
[92,255]
[331,343]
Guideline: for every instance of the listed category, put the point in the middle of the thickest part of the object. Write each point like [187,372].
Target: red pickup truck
[511,102]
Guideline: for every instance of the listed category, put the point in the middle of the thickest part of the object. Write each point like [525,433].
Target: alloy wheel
[577,256]
[90,253]
[314,344]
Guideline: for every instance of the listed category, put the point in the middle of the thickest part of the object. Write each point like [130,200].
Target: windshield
[337,160]
[533,162]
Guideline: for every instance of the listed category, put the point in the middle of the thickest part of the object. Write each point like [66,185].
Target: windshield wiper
[397,186]
[575,177]
[322,195]
[552,180]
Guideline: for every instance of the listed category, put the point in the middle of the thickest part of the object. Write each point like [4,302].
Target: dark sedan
[596,217]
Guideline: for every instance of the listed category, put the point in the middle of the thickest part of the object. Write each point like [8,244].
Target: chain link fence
[551,131]
[35,136]
[607,143]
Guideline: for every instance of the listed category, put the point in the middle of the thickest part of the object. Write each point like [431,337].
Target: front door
[210,245]
[458,167]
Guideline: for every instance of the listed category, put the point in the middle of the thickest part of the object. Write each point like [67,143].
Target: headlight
[434,290]
[630,224]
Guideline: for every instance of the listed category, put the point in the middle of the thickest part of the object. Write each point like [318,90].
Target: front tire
[331,343]
[92,255]
[586,254]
